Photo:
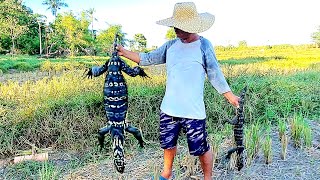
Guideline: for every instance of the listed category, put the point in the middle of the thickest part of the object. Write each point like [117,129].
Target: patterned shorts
[195,130]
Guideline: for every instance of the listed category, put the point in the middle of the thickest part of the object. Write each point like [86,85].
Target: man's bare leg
[168,156]
[207,164]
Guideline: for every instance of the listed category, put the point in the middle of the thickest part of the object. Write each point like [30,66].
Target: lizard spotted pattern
[116,104]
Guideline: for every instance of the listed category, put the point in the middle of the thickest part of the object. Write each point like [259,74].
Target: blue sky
[258,22]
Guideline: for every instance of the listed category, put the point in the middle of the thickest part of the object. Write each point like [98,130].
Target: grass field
[63,110]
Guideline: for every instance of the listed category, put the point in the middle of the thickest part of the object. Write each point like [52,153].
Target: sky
[258,22]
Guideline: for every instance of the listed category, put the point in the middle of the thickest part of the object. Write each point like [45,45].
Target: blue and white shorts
[195,130]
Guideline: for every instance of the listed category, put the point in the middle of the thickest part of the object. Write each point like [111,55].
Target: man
[188,58]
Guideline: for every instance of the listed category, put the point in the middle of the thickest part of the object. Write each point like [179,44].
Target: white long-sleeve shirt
[185,64]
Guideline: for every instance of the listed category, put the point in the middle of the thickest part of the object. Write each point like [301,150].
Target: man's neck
[193,37]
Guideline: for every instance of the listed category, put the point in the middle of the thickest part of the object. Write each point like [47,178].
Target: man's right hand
[133,56]
[120,50]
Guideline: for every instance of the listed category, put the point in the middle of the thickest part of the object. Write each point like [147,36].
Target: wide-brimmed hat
[186,18]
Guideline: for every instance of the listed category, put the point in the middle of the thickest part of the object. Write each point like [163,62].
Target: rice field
[51,104]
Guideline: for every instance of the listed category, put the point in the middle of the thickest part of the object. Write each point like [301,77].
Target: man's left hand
[233,99]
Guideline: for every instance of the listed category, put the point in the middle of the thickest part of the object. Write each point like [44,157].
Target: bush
[22,66]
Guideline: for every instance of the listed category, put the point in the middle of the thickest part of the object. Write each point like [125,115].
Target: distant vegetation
[24,32]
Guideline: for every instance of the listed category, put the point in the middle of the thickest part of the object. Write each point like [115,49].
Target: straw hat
[186,18]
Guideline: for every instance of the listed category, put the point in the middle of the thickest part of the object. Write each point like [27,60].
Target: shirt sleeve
[214,73]
[157,56]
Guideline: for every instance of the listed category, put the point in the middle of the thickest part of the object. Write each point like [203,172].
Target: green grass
[32,170]
[23,63]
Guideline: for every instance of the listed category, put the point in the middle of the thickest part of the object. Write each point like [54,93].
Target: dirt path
[299,164]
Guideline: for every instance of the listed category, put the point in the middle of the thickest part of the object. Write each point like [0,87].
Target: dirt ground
[141,164]
[299,164]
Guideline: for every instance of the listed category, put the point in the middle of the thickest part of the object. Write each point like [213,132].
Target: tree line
[24,32]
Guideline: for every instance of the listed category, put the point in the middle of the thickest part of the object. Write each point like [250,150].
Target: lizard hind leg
[136,133]
[239,150]
[230,152]
[240,158]
[101,134]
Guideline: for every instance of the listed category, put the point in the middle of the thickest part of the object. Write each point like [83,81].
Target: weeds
[252,141]
[296,129]
[267,146]
[300,131]
[307,134]
[284,146]
[215,142]
[281,128]
[48,172]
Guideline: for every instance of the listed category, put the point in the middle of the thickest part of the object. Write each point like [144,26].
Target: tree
[106,37]
[316,37]
[171,34]
[11,20]
[91,11]
[139,43]
[29,42]
[72,32]
[54,5]
[242,44]
[41,22]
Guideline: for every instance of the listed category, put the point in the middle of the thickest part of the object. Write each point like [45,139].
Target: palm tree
[41,19]
[91,11]
[54,5]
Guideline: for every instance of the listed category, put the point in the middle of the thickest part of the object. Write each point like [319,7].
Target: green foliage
[267,146]
[22,66]
[12,20]
[73,32]
[5,43]
[106,37]
[48,172]
[32,63]
[253,140]
[307,134]
[28,43]
[297,129]
[19,63]
[171,34]
[139,43]
[282,126]
[300,131]
[24,170]
[54,5]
